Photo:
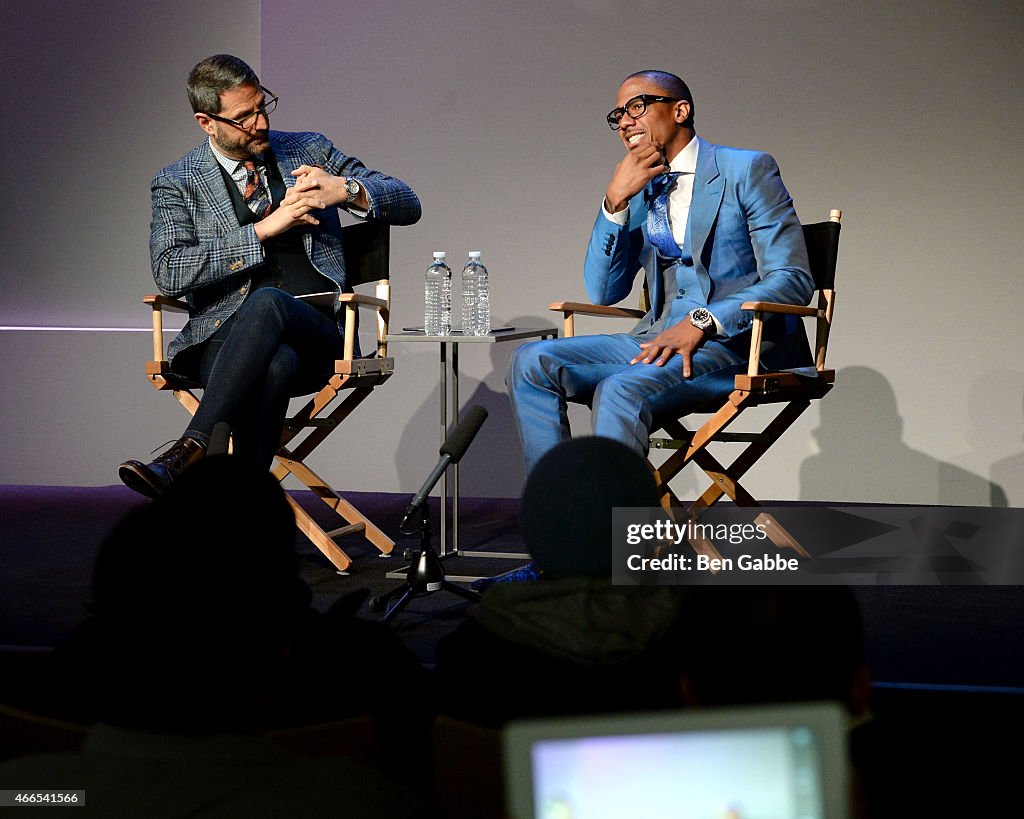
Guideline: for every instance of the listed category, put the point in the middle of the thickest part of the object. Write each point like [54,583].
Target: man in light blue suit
[242,225]
[711,227]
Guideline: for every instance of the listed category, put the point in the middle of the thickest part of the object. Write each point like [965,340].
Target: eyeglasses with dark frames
[636,108]
[246,122]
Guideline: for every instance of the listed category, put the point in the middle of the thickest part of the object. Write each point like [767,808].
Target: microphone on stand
[452,450]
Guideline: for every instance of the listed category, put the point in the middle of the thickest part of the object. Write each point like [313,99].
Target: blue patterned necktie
[256,195]
[659,229]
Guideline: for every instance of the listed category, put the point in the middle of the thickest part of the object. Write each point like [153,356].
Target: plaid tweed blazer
[202,255]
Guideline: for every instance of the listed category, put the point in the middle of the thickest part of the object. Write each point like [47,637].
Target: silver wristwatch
[353,188]
[702,319]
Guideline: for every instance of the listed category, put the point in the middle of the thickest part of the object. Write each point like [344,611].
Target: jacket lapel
[708,190]
[649,260]
[208,184]
[286,159]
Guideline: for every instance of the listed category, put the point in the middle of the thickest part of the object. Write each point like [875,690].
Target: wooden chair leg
[673,507]
[702,437]
[703,546]
[752,453]
[291,463]
[287,465]
[188,400]
[319,537]
[325,426]
[778,535]
[726,480]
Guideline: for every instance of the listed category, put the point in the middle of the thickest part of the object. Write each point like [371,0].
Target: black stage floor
[925,637]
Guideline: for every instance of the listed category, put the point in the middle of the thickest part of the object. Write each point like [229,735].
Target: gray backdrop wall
[906,116]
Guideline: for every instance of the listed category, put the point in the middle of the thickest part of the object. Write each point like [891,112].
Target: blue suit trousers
[627,400]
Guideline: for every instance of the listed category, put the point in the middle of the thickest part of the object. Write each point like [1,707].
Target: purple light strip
[87,329]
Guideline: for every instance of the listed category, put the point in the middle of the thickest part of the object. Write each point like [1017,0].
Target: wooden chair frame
[792,391]
[367,249]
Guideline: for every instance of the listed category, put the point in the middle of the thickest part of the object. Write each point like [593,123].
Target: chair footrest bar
[353,529]
[722,437]
[322,423]
[667,443]
[739,437]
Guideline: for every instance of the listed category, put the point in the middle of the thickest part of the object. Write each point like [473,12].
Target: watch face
[352,187]
[701,318]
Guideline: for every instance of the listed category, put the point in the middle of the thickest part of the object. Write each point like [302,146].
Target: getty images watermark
[818,545]
[664,533]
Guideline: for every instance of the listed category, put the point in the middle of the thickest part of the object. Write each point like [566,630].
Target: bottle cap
[474,254]
[438,254]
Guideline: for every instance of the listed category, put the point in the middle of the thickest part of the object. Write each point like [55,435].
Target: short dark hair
[590,476]
[196,598]
[671,85]
[212,77]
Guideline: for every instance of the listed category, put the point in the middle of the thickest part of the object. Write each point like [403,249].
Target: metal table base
[449,416]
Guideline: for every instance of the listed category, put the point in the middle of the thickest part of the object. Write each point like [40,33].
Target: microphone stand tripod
[425,575]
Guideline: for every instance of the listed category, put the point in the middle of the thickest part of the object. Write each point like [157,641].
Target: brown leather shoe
[155,478]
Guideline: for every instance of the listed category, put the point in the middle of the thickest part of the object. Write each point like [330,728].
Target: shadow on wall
[994,447]
[861,433]
[493,465]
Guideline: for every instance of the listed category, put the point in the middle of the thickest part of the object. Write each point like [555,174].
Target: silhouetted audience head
[571,641]
[195,599]
[567,504]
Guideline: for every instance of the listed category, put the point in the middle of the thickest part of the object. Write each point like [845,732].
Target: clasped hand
[682,338]
[643,162]
[314,189]
[312,178]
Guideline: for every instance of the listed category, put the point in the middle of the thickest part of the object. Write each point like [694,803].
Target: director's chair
[792,391]
[367,251]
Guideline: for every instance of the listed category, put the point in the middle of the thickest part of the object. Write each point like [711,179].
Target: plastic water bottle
[476,297]
[437,297]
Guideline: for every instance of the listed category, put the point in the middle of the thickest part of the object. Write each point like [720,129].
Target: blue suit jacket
[746,240]
[201,254]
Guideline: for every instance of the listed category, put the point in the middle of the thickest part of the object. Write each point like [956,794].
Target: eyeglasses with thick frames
[636,108]
[246,122]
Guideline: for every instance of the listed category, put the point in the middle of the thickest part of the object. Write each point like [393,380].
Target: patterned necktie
[256,196]
[659,229]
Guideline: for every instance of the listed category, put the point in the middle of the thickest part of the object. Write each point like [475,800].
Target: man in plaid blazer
[243,224]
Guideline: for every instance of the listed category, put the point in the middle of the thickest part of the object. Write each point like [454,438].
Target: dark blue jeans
[273,348]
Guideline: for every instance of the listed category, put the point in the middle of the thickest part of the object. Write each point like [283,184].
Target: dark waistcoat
[286,264]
